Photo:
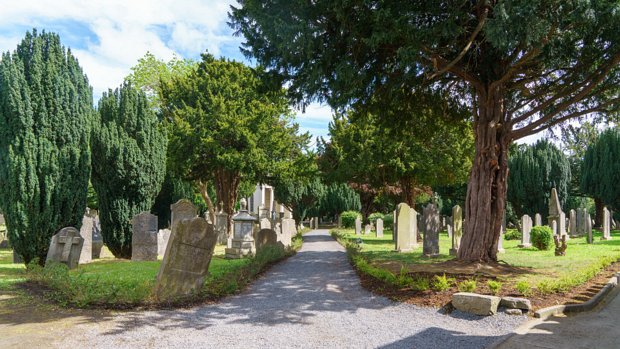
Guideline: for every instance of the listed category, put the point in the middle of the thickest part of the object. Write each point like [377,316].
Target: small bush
[404,279]
[512,234]
[524,288]
[348,218]
[467,286]
[420,283]
[442,283]
[542,237]
[545,286]
[374,216]
[388,221]
[494,286]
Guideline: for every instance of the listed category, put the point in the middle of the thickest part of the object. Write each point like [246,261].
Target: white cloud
[124,30]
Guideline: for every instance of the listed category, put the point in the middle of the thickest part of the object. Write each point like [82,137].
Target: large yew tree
[45,124]
[522,66]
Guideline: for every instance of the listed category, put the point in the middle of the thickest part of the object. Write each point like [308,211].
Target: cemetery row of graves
[563,261]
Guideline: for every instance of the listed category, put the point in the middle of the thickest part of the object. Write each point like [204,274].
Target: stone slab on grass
[474,303]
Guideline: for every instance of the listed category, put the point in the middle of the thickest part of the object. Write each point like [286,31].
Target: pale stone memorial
[537,220]
[457,229]
[144,237]
[163,236]
[413,228]
[265,223]
[606,225]
[358,226]
[181,210]
[367,229]
[242,243]
[65,247]
[431,231]
[589,228]
[97,238]
[556,214]
[187,258]
[526,228]
[379,228]
[572,223]
[402,223]
[86,232]
[265,237]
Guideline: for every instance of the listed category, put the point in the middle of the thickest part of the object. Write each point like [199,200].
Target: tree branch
[472,37]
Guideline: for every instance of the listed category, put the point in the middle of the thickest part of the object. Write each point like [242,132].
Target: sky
[108,37]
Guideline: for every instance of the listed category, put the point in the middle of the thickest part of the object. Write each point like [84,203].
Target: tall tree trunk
[226,188]
[486,190]
[598,205]
[205,196]
[409,191]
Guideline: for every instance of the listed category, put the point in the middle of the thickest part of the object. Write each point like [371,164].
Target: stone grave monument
[379,228]
[431,231]
[402,224]
[144,238]
[526,228]
[65,247]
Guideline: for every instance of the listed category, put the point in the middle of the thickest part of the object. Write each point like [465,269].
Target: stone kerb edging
[575,308]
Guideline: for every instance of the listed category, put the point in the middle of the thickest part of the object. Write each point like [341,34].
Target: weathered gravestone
[65,247]
[589,228]
[394,227]
[221,226]
[181,210]
[457,229]
[316,222]
[537,220]
[556,214]
[287,228]
[358,226]
[86,232]
[379,228]
[606,225]
[97,238]
[572,223]
[187,258]
[413,228]
[265,237]
[144,237]
[339,221]
[431,231]
[265,223]
[526,229]
[367,229]
[581,221]
[402,223]
[163,236]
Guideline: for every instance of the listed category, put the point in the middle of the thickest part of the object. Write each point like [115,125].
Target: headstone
[379,228]
[187,258]
[221,227]
[65,247]
[589,228]
[606,225]
[572,223]
[163,236]
[581,221]
[86,232]
[413,228]
[556,214]
[316,222]
[265,237]
[537,220]
[265,223]
[402,224]
[144,237]
[500,241]
[97,238]
[358,226]
[367,229]
[526,228]
[394,227]
[285,236]
[181,210]
[431,231]
[457,229]
[339,221]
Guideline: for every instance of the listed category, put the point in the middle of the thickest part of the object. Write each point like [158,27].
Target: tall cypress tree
[45,122]
[534,170]
[129,163]
[600,172]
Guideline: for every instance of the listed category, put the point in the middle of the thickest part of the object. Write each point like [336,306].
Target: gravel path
[312,300]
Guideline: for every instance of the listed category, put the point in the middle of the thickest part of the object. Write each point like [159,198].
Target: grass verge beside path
[521,271]
[123,284]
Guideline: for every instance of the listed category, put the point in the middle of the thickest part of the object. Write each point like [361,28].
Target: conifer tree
[45,122]
[534,170]
[129,163]
[599,172]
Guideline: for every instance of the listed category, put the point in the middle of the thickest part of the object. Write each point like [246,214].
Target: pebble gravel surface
[312,300]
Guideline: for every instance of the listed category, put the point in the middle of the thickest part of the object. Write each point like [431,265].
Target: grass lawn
[540,270]
[116,283]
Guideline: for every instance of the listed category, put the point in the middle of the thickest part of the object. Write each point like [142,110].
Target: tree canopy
[129,163]
[45,122]
[520,66]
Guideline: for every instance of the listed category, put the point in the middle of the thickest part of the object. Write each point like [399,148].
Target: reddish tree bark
[226,188]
